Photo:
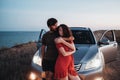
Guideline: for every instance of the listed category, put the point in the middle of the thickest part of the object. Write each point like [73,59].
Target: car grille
[77,67]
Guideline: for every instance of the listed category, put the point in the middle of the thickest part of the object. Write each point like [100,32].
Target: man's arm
[42,51]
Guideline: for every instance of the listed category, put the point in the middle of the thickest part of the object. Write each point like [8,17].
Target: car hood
[84,52]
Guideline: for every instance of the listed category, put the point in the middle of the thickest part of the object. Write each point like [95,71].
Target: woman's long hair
[66,30]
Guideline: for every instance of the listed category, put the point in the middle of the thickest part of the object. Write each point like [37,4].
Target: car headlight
[96,62]
[32,76]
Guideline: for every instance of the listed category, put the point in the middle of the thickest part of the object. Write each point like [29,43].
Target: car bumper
[92,75]
[37,74]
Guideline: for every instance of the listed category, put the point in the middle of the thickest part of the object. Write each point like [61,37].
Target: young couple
[57,49]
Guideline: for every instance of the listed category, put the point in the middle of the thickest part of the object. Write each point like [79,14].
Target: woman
[64,67]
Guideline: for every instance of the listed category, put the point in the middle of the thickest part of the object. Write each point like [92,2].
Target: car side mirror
[102,43]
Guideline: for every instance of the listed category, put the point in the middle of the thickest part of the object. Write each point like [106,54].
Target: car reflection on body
[90,56]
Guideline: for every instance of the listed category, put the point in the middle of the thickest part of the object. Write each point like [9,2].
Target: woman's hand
[61,40]
[71,38]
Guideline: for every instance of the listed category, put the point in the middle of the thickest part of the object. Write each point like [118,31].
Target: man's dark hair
[51,22]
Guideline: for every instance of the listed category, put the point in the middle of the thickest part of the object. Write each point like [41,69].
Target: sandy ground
[112,69]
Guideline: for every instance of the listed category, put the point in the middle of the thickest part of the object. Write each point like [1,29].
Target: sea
[11,38]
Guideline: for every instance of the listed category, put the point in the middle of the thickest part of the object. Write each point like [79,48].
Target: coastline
[17,45]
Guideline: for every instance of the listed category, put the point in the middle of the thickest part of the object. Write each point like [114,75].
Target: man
[48,49]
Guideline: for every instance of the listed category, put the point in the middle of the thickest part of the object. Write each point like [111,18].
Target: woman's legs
[74,77]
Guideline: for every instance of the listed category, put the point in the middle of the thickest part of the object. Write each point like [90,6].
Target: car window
[108,37]
[83,37]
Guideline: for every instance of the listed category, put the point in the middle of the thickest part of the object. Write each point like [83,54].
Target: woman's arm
[71,38]
[70,45]
[62,50]
[61,40]
[66,53]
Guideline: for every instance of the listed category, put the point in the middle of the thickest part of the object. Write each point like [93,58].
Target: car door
[108,46]
[42,32]
[36,61]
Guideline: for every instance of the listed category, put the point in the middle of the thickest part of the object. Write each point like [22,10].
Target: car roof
[80,28]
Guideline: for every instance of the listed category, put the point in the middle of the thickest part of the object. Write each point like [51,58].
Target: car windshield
[83,37]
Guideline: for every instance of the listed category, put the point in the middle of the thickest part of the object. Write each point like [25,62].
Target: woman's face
[60,31]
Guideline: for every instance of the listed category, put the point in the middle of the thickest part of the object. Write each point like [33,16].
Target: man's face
[54,27]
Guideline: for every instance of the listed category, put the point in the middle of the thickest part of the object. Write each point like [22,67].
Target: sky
[32,15]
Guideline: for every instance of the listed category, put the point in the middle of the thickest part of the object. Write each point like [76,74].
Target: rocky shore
[112,69]
[15,62]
